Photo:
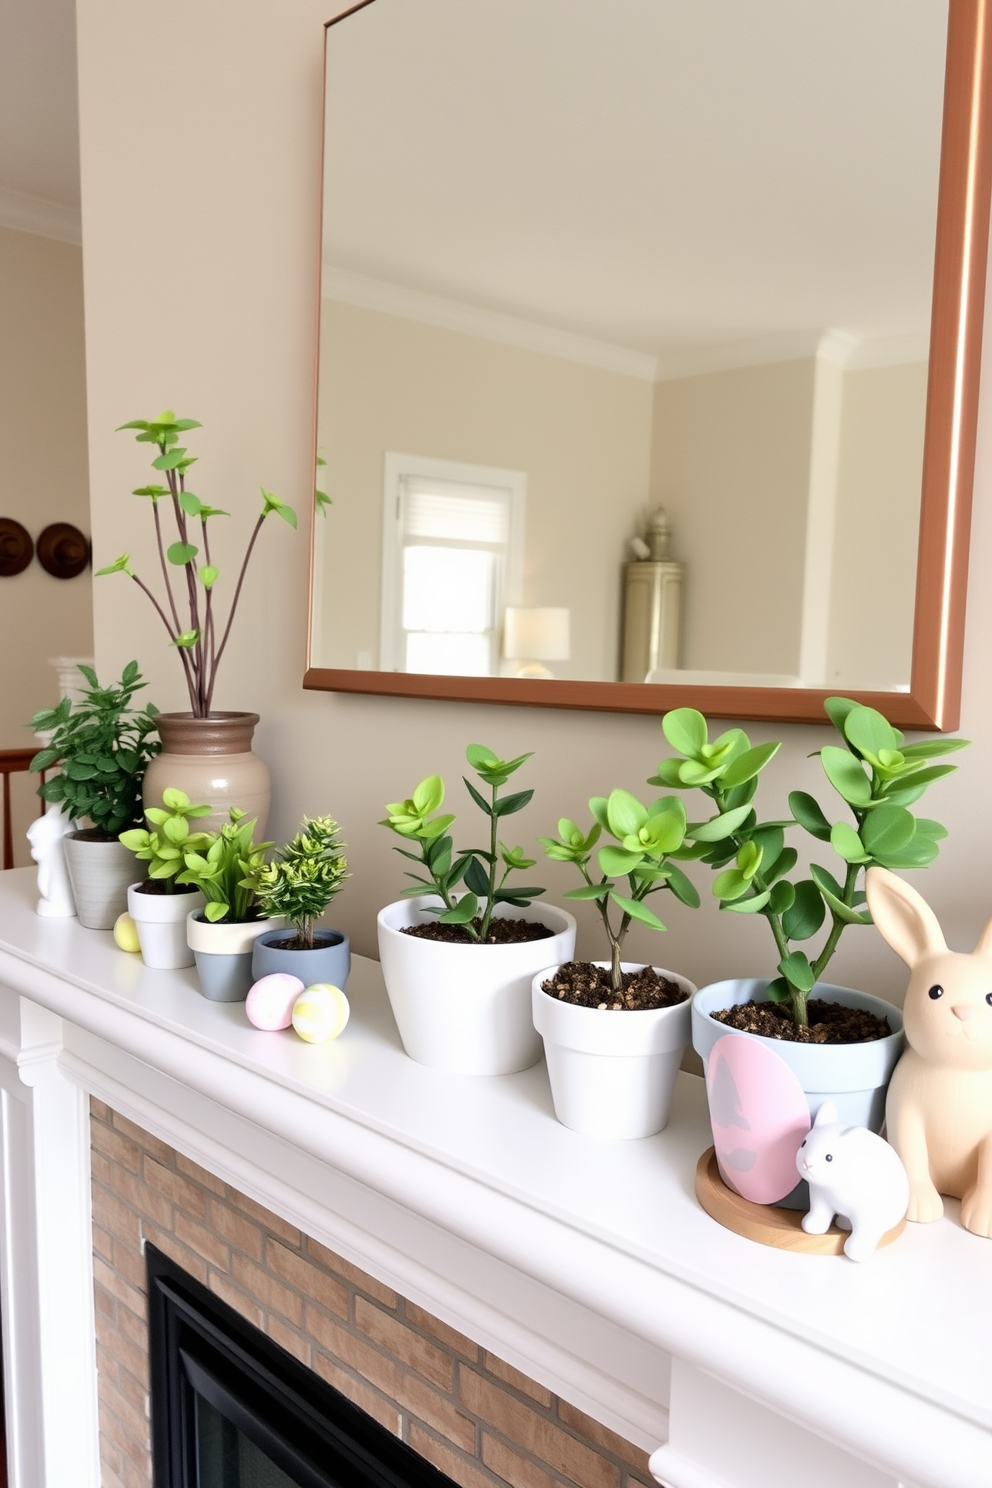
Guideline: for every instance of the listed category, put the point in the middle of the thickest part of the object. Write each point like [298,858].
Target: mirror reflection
[623,345]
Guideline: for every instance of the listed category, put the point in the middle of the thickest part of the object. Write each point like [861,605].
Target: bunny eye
[988,998]
[830,1157]
[936,992]
[803,1142]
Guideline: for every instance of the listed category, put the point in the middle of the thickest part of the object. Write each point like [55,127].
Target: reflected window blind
[441,511]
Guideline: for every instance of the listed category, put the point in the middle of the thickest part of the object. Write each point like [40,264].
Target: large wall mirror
[649,351]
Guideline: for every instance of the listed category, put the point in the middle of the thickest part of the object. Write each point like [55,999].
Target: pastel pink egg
[759,1117]
[270,1002]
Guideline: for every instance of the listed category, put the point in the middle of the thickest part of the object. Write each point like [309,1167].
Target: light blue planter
[223,954]
[329,961]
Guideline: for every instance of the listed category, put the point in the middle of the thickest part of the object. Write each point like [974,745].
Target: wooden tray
[782,1228]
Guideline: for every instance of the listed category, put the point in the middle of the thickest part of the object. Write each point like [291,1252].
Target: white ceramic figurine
[854,1175]
[55,899]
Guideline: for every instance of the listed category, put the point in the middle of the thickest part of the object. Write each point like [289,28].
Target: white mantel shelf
[588,1264]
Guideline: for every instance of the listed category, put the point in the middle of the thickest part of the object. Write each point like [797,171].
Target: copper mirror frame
[934,697]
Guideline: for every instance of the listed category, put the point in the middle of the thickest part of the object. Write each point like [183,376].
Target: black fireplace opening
[231,1409]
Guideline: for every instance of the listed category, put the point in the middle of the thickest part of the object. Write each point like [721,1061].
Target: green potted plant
[297,887]
[227,869]
[159,904]
[103,747]
[186,604]
[460,949]
[840,1044]
[613,1076]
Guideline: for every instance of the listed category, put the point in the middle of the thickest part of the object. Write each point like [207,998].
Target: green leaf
[827,885]
[682,887]
[190,504]
[924,828]
[783,897]
[464,911]
[685,730]
[806,914]
[208,575]
[119,565]
[171,461]
[181,553]
[624,813]
[476,878]
[809,815]
[510,804]
[748,764]
[428,795]
[916,854]
[481,758]
[478,798]
[731,885]
[887,829]
[869,732]
[796,969]
[754,905]
[931,748]
[668,774]
[846,775]
[923,777]
[837,709]
[638,911]
[271,504]
[588,891]
[847,844]
[778,991]
[783,864]
[616,861]
[597,805]
[187,640]
[719,827]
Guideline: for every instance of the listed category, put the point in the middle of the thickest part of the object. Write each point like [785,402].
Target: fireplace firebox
[231,1409]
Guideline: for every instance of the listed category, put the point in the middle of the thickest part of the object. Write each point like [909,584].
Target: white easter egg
[126,933]
[320,1013]
[270,1002]
[759,1116]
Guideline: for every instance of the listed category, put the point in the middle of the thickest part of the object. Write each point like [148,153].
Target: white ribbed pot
[160,920]
[223,954]
[99,871]
[612,1071]
[467,1008]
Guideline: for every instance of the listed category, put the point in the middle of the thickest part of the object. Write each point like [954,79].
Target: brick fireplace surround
[482,1422]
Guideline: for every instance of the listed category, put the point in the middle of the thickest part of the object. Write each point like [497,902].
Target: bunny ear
[984,946]
[903,917]
[826,1115]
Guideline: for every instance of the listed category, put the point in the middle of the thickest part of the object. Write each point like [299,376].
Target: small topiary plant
[305,877]
[103,746]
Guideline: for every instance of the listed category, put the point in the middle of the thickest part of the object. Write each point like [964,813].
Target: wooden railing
[13,762]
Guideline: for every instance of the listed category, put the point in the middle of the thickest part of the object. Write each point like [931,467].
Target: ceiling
[39,127]
[669,176]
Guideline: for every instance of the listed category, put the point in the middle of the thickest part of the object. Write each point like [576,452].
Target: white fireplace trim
[584,1265]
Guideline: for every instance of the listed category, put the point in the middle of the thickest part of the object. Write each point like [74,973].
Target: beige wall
[43,466]
[214,306]
[879,476]
[581,435]
[730,462]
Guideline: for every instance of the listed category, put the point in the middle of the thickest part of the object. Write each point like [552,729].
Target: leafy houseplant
[159,905]
[104,747]
[190,620]
[298,886]
[226,867]
[478,868]
[643,837]
[876,774]
[460,949]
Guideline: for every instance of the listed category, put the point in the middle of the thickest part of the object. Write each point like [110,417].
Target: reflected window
[450,555]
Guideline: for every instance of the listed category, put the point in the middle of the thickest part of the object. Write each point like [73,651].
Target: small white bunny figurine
[55,900]
[854,1175]
[938,1112]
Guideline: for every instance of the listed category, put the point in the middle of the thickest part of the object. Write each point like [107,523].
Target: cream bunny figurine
[939,1107]
[854,1175]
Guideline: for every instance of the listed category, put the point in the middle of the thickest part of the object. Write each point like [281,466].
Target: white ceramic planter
[100,873]
[612,1072]
[223,954]
[467,1008]
[160,920]
[853,1076]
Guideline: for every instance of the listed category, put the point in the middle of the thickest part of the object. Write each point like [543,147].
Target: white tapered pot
[466,1008]
[612,1071]
[160,920]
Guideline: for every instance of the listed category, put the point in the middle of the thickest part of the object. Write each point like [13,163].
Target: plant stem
[493,829]
[230,618]
[165,621]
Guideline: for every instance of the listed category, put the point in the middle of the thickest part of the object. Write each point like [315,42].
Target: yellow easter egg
[126,933]
[320,1013]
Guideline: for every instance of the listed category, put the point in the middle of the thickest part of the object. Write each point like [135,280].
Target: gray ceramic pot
[329,961]
[100,873]
[223,955]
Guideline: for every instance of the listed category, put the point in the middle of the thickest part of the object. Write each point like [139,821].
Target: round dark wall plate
[16,548]
[63,551]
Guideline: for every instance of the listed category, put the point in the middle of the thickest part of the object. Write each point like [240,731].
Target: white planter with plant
[103,747]
[226,867]
[613,1036]
[206,753]
[878,776]
[463,1003]
[296,888]
[159,905]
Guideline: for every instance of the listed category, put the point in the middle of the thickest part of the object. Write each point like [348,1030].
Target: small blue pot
[329,961]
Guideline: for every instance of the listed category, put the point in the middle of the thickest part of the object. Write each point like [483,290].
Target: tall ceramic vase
[211,759]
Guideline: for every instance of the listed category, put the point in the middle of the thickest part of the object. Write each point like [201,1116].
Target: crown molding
[472,320]
[26,212]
